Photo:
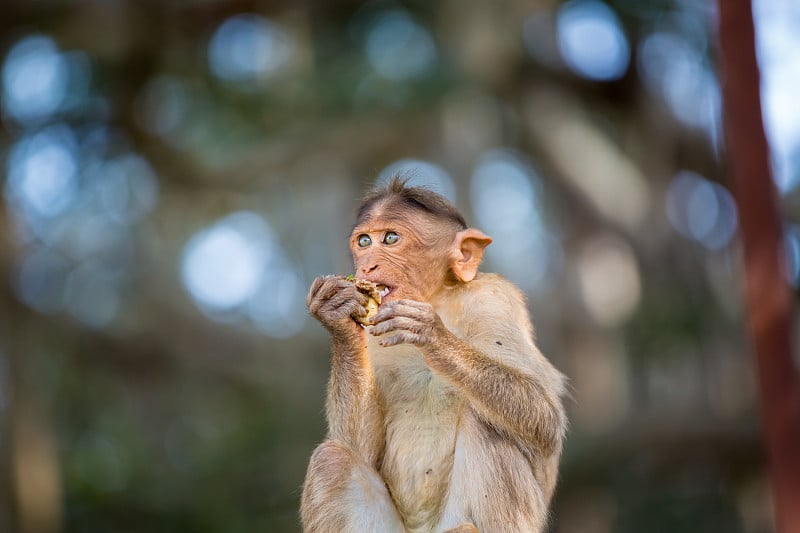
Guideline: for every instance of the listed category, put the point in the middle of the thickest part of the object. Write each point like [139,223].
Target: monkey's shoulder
[488,301]
[495,286]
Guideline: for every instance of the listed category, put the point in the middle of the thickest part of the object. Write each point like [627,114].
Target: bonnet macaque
[443,416]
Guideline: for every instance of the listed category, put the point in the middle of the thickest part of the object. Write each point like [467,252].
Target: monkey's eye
[364,241]
[390,237]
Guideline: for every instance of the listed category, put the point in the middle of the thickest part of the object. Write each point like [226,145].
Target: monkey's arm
[523,402]
[352,408]
[509,382]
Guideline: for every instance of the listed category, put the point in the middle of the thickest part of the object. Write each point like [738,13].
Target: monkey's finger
[315,287]
[322,288]
[326,288]
[359,311]
[404,337]
[341,307]
[413,303]
[345,312]
[399,324]
[343,297]
[337,312]
[320,295]
[422,313]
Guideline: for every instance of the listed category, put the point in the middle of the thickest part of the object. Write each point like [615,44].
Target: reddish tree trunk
[768,297]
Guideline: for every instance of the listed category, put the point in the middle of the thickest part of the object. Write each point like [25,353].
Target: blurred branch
[768,297]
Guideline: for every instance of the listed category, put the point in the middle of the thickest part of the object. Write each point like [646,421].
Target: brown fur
[444,416]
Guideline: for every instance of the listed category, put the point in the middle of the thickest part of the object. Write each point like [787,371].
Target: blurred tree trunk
[34,458]
[768,297]
[32,461]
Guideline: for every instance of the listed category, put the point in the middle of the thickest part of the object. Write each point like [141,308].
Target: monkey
[443,415]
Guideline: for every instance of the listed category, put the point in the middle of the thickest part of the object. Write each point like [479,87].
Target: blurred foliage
[177,172]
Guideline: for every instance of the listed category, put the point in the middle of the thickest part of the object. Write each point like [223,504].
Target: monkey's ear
[467,253]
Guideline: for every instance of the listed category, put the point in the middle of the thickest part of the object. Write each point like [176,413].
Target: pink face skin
[408,256]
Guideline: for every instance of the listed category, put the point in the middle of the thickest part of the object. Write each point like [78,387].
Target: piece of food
[370,289]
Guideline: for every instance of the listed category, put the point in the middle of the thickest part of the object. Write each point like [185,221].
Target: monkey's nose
[368,269]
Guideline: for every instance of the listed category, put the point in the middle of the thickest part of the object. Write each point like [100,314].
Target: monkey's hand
[408,322]
[334,301]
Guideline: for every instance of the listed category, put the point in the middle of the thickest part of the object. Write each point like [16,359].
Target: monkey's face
[406,256]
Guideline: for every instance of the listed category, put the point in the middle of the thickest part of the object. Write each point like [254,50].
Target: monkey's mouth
[374,289]
[383,290]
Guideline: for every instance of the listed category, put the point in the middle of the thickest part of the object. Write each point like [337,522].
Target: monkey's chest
[421,421]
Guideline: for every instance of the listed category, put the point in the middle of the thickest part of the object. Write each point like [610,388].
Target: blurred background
[176,173]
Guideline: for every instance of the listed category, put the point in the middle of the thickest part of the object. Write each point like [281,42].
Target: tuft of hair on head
[397,193]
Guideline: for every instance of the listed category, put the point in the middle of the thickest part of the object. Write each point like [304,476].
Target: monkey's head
[412,242]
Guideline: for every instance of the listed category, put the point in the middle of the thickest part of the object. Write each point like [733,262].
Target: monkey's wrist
[347,340]
[346,327]
[432,357]
[440,350]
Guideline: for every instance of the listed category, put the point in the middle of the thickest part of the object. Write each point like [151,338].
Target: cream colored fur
[475,440]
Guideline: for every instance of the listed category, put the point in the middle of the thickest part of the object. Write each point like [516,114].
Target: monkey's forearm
[353,411]
[511,399]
